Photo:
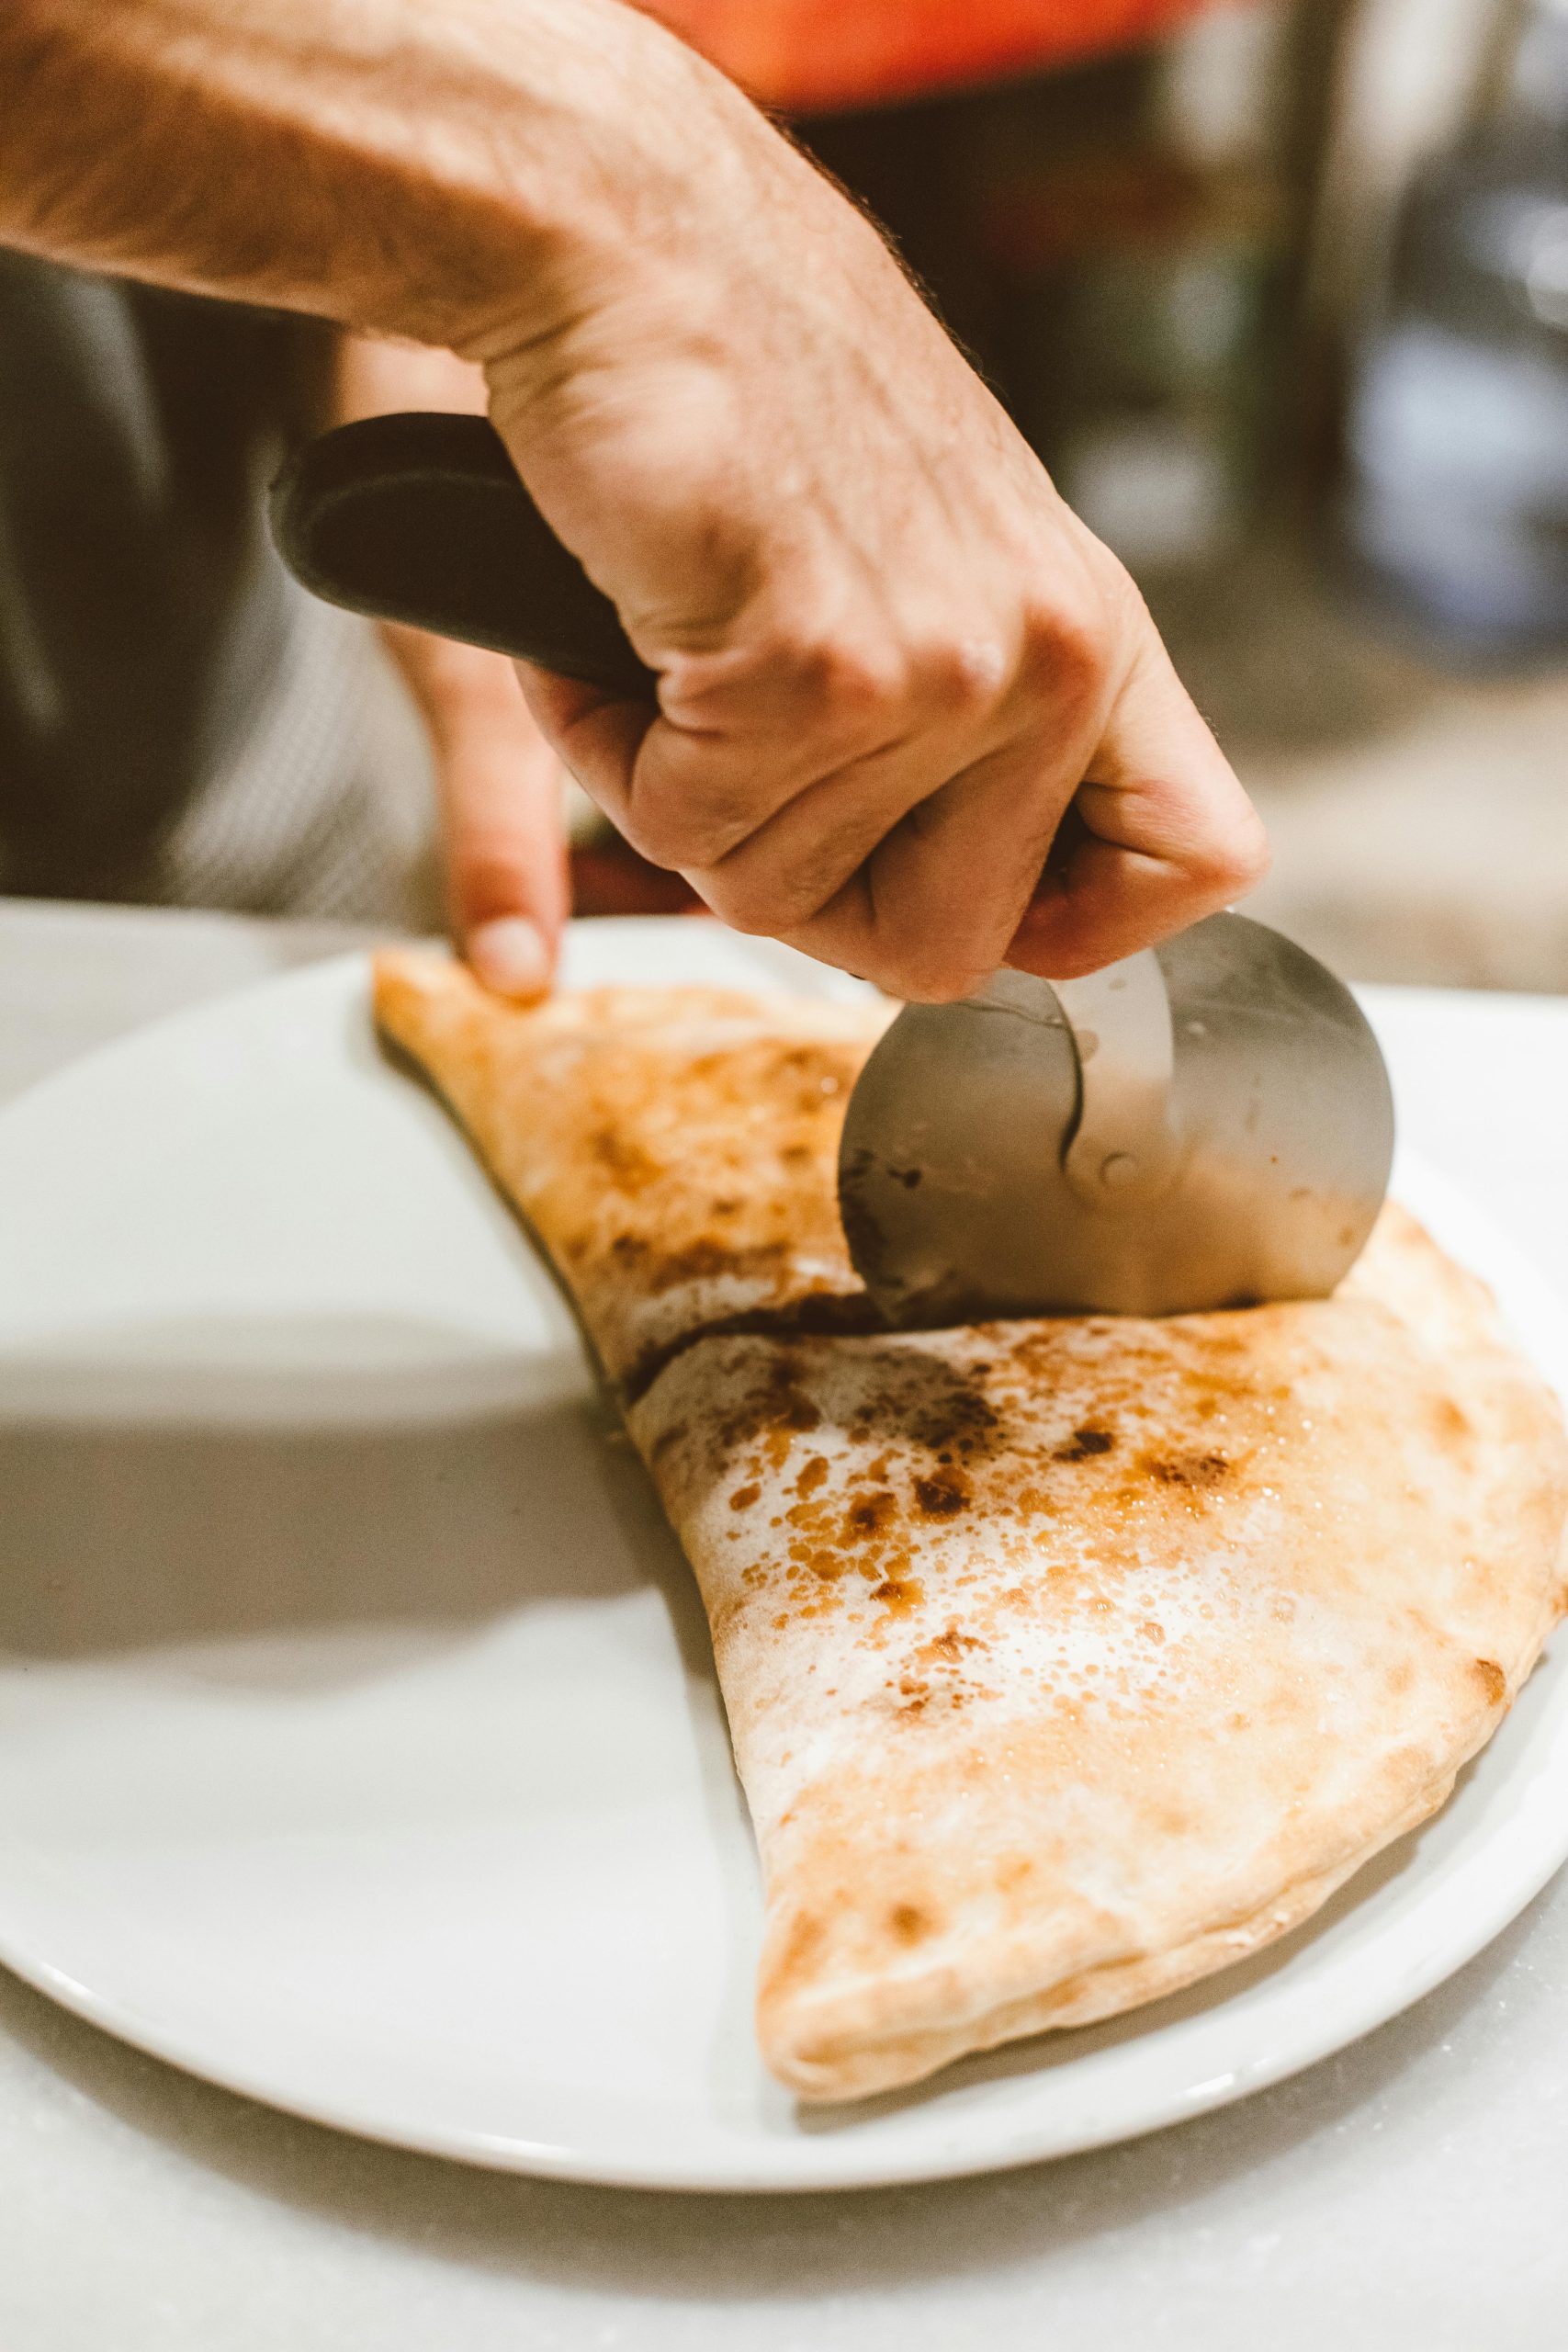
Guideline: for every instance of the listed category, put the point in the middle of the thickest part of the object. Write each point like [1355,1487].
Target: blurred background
[1279,289]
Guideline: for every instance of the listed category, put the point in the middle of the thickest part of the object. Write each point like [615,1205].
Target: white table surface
[1413,2191]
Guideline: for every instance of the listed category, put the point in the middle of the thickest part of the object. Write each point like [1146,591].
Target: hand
[891,659]
[889,656]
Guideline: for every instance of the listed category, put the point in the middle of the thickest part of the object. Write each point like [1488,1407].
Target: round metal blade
[956,1201]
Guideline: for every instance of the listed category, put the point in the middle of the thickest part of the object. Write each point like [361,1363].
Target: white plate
[359,1746]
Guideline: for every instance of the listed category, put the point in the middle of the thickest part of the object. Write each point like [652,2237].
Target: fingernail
[510,956]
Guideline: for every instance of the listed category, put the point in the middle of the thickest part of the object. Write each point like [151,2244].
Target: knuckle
[778,888]
[746,902]
[1237,863]
[1253,857]
[1068,644]
[677,835]
[839,678]
[850,688]
[958,678]
[665,842]
[1078,620]
[930,974]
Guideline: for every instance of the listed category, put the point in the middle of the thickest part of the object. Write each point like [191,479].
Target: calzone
[1065,1660]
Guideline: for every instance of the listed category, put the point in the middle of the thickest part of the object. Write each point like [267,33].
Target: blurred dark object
[1143,282]
[1122,245]
[129,426]
[179,724]
[1457,461]
[608,877]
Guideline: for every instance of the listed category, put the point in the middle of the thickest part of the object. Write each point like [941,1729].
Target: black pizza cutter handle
[422,519]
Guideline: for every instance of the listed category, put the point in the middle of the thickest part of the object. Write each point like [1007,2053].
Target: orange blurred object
[813,55]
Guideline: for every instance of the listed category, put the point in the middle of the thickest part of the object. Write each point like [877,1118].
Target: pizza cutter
[1205,1125]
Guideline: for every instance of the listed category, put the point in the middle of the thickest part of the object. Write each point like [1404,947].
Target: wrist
[551,138]
[627,219]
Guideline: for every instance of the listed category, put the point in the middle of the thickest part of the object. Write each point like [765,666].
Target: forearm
[417,169]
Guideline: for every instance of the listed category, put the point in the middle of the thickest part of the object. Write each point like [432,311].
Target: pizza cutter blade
[1205,1125]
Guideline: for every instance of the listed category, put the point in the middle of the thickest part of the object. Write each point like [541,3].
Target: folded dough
[674,1149]
[1065,1660]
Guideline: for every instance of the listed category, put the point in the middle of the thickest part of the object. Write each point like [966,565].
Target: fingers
[499,787]
[939,849]
[1162,834]
[598,735]
[1007,862]
[934,907]
[736,744]
[958,762]
[954,862]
